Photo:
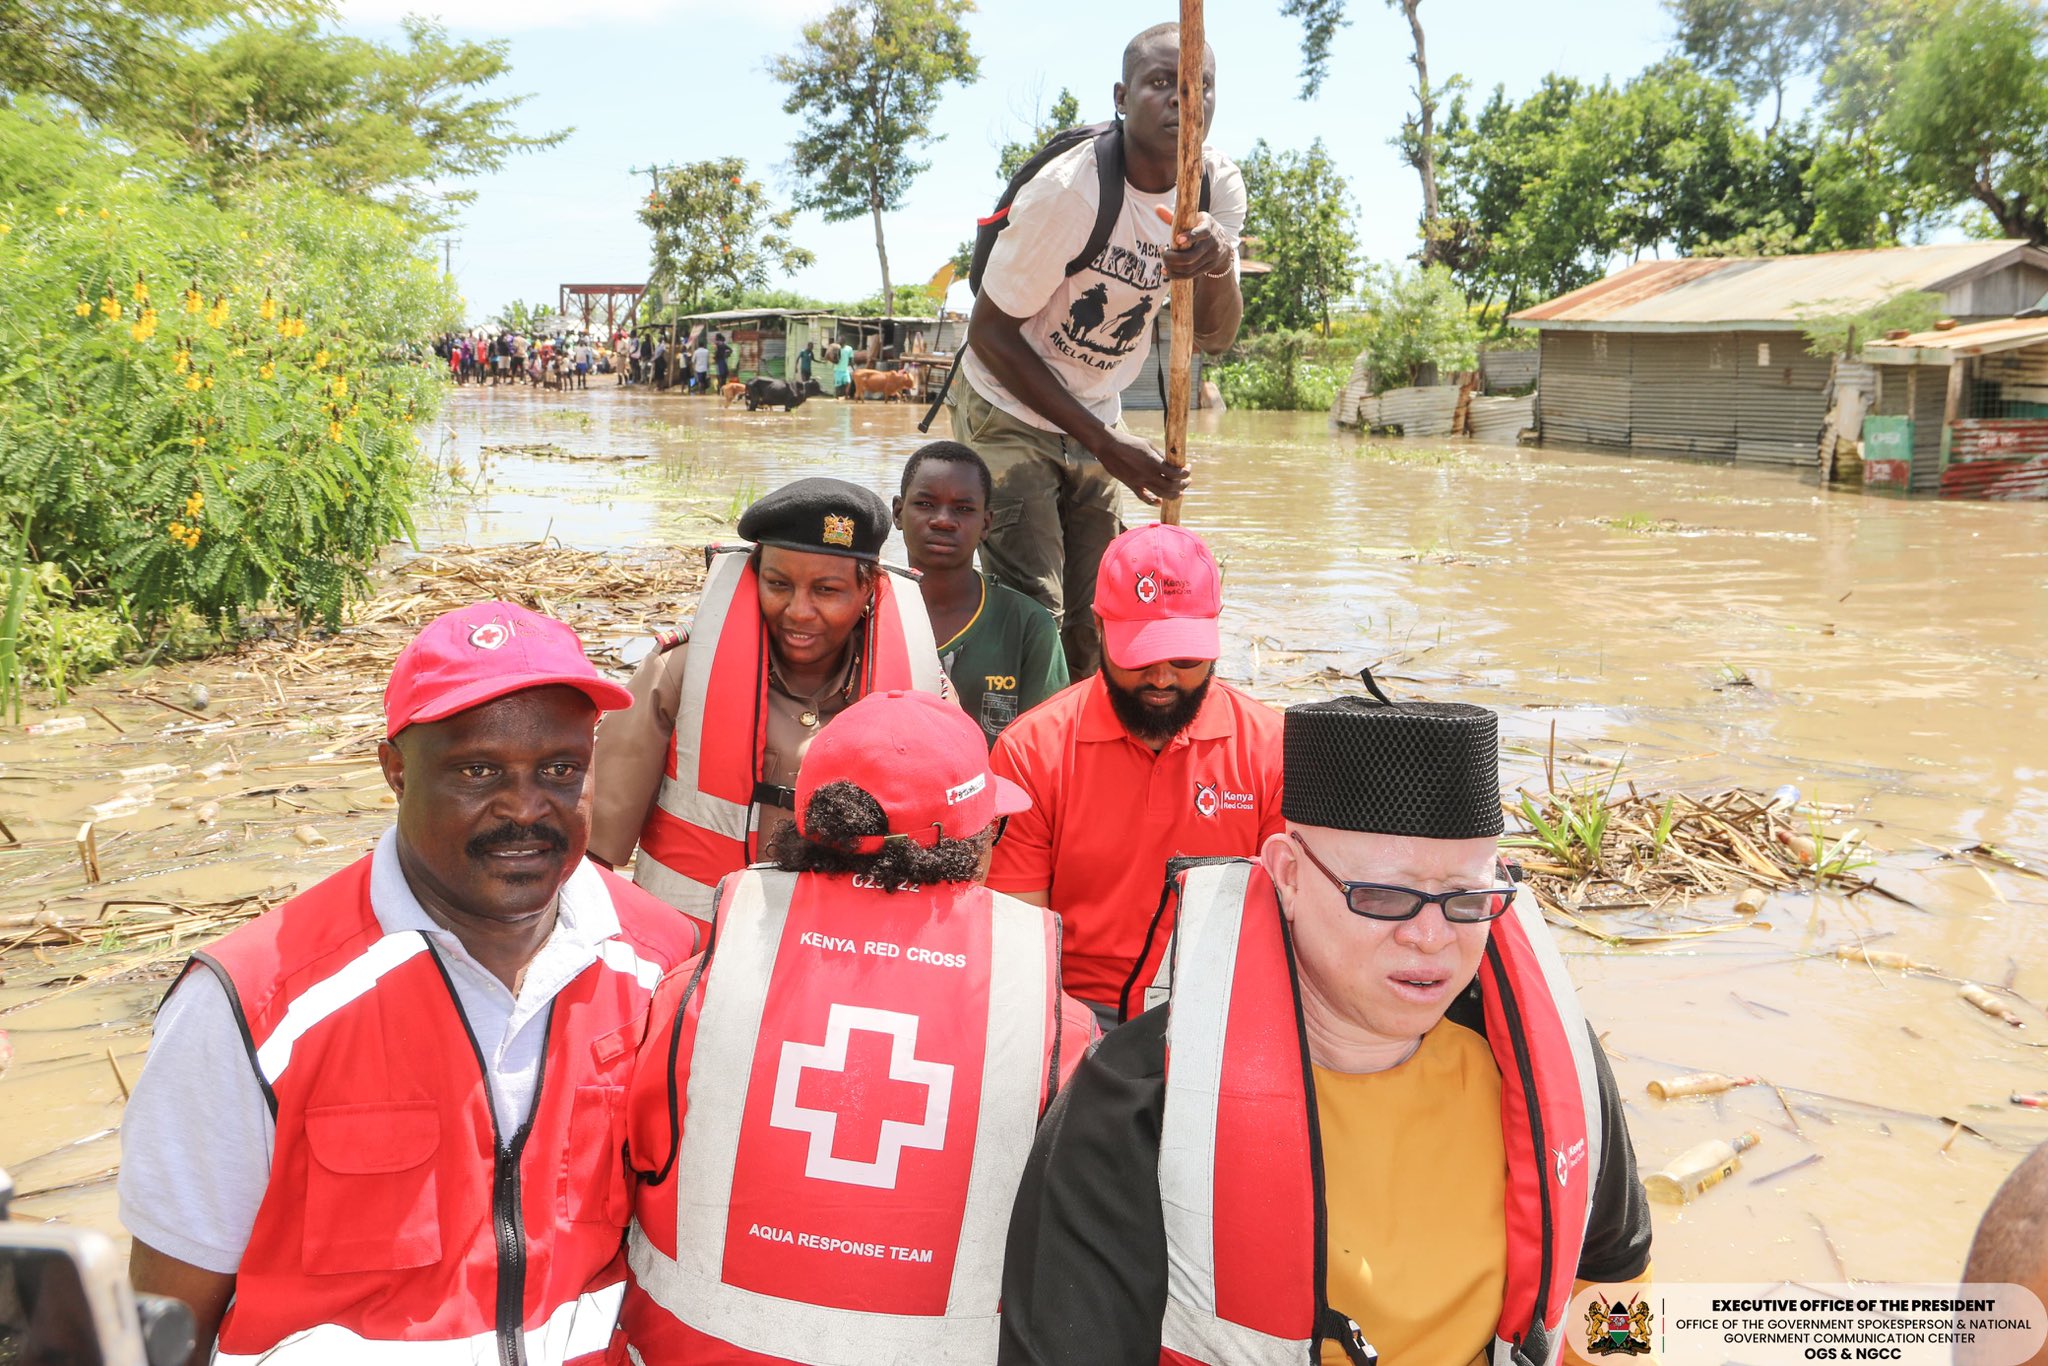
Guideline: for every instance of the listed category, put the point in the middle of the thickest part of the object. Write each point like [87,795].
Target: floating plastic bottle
[1696,1169]
[1784,799]
[57,725]
[1882,958]
[1991,1005]
[2034,1101]
[1697,1084]
[152,772]
[118,806]
[1751,901]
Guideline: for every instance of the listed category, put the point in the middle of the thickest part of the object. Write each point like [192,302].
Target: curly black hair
[841,813]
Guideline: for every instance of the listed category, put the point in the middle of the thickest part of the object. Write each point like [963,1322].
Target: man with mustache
[389,1111]
[1149,759]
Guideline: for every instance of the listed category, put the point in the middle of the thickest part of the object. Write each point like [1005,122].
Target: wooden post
[1186,205]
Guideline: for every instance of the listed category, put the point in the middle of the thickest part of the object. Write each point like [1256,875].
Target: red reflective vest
[705,817]
[396,1212]
[1239,1186]
[836,1106]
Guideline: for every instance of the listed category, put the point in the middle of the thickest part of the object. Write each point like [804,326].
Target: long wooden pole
[1187,193]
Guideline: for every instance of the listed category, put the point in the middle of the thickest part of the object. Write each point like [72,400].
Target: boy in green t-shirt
[1000,648]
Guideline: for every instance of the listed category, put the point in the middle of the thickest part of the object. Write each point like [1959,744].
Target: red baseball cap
[481,652]
[918,755]
[1159,595]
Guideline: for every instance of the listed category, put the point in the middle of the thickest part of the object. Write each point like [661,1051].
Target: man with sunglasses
[1384,1129]
[1150,759]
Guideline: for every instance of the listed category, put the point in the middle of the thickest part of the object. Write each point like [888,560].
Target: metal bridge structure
[617,307]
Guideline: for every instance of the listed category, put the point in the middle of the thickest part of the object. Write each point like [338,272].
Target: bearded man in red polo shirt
[1150,759]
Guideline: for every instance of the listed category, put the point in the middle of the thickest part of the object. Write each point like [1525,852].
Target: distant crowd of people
[704,362]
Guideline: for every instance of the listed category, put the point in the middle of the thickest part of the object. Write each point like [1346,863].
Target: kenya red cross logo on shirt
[1147,588]
[818,1111]
[1206,800]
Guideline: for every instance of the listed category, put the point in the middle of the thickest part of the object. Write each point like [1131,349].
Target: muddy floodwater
[1701,626]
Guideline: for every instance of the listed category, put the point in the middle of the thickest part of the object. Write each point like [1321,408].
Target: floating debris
[1695,1170]
[1991,1005]
[1697,1084]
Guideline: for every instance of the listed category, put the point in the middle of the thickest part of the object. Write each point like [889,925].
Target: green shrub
[202,406]
[1278,371]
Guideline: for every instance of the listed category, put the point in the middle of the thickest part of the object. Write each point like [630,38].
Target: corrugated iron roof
[1767,291]
[1970,339]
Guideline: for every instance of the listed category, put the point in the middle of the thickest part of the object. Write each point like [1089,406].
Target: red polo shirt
[1106,814]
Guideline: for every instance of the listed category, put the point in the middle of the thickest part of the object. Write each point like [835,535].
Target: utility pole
[654,174]
[447,256]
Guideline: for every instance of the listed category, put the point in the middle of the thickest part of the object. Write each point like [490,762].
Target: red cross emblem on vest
[823,1090]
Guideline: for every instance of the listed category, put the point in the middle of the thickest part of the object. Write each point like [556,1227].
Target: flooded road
[1703,627]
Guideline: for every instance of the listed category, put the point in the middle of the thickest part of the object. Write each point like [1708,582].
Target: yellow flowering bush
[200,468]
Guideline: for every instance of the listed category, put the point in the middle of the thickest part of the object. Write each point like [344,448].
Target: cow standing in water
[765,392]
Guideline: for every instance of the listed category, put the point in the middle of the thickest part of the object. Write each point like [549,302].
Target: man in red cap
[386,1112]
[1152,758]
[863,1056]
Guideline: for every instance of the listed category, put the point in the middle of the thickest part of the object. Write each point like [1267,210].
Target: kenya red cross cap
[1159,595]
[477,653]
[921,758]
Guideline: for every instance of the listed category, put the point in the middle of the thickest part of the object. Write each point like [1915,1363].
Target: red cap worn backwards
[1159,595]
[482,652]
[921,758]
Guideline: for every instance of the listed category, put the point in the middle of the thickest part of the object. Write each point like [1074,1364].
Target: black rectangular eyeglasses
[1387,901]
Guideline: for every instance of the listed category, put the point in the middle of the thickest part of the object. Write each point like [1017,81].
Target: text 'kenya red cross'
[885,1101]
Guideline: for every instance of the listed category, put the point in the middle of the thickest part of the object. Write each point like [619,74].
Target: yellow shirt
[1415,1182]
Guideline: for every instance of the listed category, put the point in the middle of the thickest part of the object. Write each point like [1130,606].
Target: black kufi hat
[822,516]
[1428,769]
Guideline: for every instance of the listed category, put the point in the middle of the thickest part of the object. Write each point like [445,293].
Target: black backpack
[1109,199]
[1109,202]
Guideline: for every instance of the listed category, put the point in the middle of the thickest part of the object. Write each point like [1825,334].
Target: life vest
[840,1113]
[706,814]
[396,1212]
[1240,1177]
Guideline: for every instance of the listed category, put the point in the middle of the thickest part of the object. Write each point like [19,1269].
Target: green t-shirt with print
[1006,660]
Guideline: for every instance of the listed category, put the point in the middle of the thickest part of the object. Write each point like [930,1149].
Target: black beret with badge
[1427,769]
[821,516]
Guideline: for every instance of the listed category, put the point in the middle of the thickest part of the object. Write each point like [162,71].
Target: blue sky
[652,81]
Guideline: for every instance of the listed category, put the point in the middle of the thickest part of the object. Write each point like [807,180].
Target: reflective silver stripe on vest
[1203,969]
[331,993]
[1562,991]
[664,883]
[581,1327]
[682,796]
[721,1064]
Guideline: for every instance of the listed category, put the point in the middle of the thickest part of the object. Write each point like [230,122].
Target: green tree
[395,124]
[1065,113]
[524,318]
[1419,141]
[715,231]
[1299,209]
[1764,45]
[1968,114]
[867,79]
[100,56]
[1419,317]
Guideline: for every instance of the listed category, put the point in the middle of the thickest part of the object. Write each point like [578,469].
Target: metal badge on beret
[825,516]
[1427,769]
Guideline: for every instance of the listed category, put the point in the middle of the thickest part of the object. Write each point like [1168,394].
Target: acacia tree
[1299,209]
[866,79]
[393,123]
[1419,141]
[715,228]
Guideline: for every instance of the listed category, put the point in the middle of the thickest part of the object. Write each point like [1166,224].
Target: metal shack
[1962,411]
[1705,356]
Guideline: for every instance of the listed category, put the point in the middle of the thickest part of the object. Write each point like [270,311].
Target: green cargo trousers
[1055,512]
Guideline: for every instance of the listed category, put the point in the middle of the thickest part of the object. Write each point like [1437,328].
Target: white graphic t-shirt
[1092,328]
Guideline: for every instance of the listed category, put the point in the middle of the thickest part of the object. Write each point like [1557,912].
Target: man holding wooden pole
[1075,264]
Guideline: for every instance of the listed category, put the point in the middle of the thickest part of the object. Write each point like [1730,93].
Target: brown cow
[734,391]
[885,383]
